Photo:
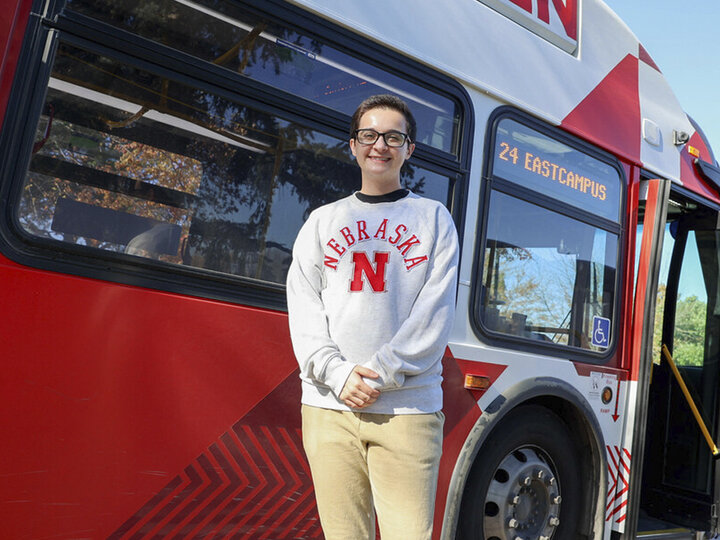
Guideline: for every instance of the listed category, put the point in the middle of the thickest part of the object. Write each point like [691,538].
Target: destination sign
[534,160]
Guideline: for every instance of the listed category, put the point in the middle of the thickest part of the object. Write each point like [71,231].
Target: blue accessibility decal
[601,332]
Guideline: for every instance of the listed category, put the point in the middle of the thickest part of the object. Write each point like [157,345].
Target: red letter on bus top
[566,10]
[525,4]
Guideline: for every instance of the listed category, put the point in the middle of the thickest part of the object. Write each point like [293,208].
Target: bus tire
[525,481]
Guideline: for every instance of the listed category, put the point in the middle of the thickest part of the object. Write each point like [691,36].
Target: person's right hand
[357,393]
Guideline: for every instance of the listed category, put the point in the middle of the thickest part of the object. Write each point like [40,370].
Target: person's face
[380,164]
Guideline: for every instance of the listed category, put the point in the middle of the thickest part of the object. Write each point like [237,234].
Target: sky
[683,38]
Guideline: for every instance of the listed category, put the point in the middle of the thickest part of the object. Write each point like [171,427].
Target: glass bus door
[680,476]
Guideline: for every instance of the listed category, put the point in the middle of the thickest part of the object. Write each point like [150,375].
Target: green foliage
[689,335]
[690,331]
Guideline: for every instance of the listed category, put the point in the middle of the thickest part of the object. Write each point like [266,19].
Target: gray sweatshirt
[374,284]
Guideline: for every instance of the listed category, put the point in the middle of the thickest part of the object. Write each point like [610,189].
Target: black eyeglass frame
[406,138]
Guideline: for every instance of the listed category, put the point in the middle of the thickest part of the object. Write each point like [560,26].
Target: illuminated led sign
[534,160]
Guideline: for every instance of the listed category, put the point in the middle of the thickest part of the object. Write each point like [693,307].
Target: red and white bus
[157,159]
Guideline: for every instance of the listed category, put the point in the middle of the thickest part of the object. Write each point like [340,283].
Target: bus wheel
[525,482]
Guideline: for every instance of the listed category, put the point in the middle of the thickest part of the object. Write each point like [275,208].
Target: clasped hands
[356,393]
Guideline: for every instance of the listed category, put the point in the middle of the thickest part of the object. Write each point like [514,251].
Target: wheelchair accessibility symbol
[601,332]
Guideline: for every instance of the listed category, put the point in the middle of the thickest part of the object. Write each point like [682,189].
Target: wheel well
[589,446]
[589,451]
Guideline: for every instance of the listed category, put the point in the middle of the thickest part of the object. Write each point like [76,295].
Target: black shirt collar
[387,197]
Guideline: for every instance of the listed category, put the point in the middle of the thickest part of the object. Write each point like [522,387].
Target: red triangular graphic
[610,115]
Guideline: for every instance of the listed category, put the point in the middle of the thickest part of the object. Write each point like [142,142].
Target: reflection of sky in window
[435,186]
[598,248]
[339,81]
[285,204]
[546,262]
[555,274]
[691,280]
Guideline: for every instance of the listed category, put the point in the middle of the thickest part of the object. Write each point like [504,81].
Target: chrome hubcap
[523,500]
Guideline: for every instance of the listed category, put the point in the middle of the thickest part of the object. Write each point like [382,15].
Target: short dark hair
[385,101]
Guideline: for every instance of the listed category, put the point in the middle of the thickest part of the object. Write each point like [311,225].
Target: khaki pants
[360,460]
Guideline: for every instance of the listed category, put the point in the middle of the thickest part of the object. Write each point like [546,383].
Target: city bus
[157,159]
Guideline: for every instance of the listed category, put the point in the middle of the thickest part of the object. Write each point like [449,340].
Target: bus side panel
[13,19]
[121,405]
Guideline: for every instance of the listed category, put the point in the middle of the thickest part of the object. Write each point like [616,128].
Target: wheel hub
[523,499]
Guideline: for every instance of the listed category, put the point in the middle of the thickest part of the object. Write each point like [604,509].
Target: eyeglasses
[394,139]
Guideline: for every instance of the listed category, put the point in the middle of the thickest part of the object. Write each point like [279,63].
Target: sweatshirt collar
[387,197]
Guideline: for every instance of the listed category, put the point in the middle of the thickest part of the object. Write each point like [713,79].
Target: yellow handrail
[688,397]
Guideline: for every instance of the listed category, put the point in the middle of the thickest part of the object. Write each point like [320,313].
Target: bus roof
[573,63]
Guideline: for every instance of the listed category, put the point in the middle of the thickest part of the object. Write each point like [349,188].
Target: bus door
[680,477]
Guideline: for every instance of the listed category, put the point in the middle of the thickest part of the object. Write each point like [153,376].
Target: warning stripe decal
[618,477]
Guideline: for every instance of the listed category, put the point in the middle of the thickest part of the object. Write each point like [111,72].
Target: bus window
[551,242]
[265,51]
[132,162]
[546,283]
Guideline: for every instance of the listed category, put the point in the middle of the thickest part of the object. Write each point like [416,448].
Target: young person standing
[371,299]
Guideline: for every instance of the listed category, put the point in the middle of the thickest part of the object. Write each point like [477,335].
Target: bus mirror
[709,172]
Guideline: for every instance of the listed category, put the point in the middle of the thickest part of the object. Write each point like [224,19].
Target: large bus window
[549,283]
[551,241]
[230,36]
[131,162]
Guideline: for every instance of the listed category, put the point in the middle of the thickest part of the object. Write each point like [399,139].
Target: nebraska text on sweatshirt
[374,284]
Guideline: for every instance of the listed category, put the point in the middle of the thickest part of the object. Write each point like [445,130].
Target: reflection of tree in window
[73,151]
[226,184]
[545,274]
[237,38]
[536,283]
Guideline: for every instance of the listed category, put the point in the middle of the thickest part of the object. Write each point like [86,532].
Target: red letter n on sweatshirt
[375,275]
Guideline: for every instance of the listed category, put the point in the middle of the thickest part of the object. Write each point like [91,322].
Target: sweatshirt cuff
[387,379]
[337,372]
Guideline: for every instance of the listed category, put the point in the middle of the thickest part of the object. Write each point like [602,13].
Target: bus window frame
[492,183]
[27,98]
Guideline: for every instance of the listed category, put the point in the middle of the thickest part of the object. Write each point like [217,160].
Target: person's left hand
[357,393]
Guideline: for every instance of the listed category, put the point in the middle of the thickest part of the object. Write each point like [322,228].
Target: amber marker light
[477,382]
[693,151]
